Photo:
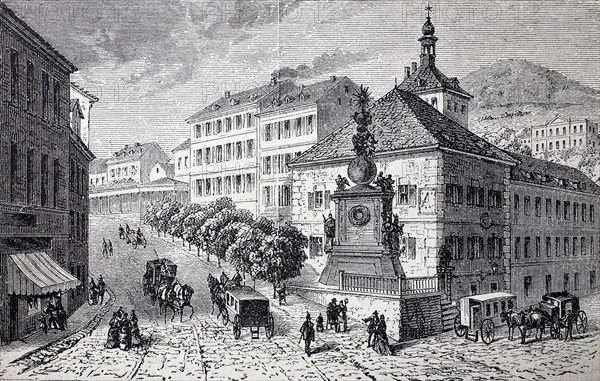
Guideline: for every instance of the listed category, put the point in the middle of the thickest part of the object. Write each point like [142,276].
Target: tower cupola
[428,40]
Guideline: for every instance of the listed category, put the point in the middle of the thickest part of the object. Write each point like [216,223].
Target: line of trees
[256,247]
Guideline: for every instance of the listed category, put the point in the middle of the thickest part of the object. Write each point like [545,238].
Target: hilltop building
[561,133]
[43,192]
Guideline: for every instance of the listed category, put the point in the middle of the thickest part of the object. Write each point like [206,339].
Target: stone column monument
[366,236]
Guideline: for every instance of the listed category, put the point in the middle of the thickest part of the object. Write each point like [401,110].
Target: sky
[154,63]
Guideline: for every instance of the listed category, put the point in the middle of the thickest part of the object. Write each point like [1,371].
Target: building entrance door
[13,316]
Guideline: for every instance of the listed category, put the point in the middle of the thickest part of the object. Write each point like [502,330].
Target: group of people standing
[377,330]
[107,248]
[53,317]
[124,332]
[96,291]
[337,316]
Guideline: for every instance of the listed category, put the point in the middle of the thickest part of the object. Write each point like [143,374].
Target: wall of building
[86,106]
[183,163]
[542,224]
[336,107]
[563,134]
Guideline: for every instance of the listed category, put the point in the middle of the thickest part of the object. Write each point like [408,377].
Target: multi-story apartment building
[224,145]
[554,230]
[431,85]
[36,249]
[182,162]
[82,102]
[562,133]
[137,175]
[291,125]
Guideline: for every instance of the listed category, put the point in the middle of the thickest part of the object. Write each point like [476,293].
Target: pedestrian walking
[136,338]
[343,308]
[307,333]
[101,288]
[372,322]
[51,313]
[332,315]
[112,339]
[568,321]
[320,327]
[223,279]
[110,248]
[382,344]
[93,292]
[43,323]
[61,316]
[282,295]
[104,248]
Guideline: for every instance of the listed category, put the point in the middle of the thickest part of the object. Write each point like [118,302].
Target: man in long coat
[307,332]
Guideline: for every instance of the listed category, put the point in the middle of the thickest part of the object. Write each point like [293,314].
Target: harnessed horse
[525,321]
[176,297]
[217,294]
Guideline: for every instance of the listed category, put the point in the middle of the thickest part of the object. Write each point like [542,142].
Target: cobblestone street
[200,347]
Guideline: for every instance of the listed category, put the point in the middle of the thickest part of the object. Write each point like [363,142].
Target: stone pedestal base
[363,260]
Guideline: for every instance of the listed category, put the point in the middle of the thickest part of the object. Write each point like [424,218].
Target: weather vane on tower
[428,8]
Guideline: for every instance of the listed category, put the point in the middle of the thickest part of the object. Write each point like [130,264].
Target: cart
[158,272]
[479,315]
[248,308]
[556,305]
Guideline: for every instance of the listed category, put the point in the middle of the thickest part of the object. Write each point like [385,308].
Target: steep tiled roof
[80,89]
[11,14]
[429,77]
[246,97]
[98,166]
[402,120]
[306,94]
[542,172]
[130,152]
[183,146]
[168,168]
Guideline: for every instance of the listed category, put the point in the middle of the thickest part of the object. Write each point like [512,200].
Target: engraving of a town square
[299,190]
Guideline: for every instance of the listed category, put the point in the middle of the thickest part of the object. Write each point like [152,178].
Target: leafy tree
[150,217]
[176,226]
[168,208]
[219,232]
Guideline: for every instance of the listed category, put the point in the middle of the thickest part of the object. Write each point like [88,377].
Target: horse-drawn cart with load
[159,272]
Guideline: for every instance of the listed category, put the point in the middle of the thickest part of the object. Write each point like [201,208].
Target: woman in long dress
[382,345]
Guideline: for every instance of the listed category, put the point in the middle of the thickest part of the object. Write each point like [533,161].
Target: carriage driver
[568,321]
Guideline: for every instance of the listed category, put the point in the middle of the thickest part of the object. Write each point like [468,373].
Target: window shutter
[412,195]
[311,201]
[327,199]
[412,248]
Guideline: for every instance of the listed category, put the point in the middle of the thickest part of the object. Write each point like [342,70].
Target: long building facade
[38,255]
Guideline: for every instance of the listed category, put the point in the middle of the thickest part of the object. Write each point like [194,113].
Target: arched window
[434,102]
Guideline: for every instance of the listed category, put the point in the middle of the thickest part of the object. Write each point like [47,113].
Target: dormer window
[252,97]
[275,102]
[288,99]
[421,81]
[234,101]
[215,106]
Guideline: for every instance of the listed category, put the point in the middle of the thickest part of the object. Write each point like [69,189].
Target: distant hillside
[512,95]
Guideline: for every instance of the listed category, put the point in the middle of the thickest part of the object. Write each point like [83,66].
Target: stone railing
[423,285]
[387,285]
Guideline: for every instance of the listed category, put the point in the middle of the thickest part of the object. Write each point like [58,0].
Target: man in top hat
[307,332]
[373,322]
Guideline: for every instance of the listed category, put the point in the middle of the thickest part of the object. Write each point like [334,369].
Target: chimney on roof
[413,66]
[228,93]
[406,72]
[137,144]
[273,81]
[126,146]
[333,78]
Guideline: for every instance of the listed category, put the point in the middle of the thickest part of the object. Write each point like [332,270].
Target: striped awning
[37,274]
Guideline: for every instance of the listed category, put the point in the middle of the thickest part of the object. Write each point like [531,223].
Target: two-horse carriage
[132,237]
[159,282]
[480,315]
[243,306]
[556,305]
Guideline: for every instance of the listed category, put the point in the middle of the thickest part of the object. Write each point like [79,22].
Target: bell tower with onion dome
[428,41]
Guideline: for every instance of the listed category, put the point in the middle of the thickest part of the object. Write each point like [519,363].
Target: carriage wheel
[225,317]
[237,327]
[581,322]
[459,329]
[487,331]
[269,329]
[555,330]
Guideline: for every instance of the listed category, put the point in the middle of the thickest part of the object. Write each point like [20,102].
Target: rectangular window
[592,279]
[591,213]
[583,246]
[575,244]
[566,246]
[318,199]
[456,246]
[250,148]
[558,210]
[309,124]
[30,176]
[198,187]
[576,282]
[277,129]
[267,165]
[208,187]
[207,155]
[44,179]
[516,205]
[227,124]
[285,195]
[575,211]
[475,196]
[55,186]
[592,246]
[567,210]
[267,197]
[584,212]
[239,186]
[45,94]
[527,285]
[208,128]
[56,101]
[494,198]
[287,129]
[250,182]
[14,165]
[527,247]
[219,127]
[72,214]
[286,160]
[239,150]
[267,132]
[30,78]
[538,246]
[219,185]
[228,151]
[14,75]
[538,206]
[548,247]
[517,247]
[527,205]
[454,194]
[548,208]
[548,282]
[228,185]
[77,226]
[219,154]
[198,130]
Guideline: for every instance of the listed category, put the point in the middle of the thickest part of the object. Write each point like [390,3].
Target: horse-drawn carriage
[159,272]
[556,306]
[479,315]
[248,308]
[132,237]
